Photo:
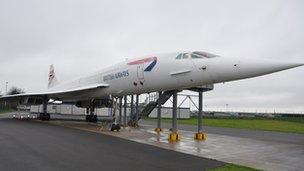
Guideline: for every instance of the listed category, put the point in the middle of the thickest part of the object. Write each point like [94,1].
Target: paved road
[30,145]
[243,133]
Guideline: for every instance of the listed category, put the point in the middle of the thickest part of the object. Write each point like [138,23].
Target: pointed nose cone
[293,65]
[280,66]
[258,67]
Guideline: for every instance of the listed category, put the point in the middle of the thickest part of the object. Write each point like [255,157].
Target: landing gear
[91,118]
[44,117]
[91,110]
[115,127]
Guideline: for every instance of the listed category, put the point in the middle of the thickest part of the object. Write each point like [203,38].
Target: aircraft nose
[258,67]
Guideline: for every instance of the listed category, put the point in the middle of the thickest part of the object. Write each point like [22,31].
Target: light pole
[6,83]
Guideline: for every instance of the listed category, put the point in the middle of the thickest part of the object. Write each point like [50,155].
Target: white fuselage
[167,72]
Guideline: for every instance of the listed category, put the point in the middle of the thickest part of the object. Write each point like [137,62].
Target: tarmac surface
[263,150]
[31,145]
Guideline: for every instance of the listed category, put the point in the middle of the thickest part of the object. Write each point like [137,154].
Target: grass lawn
[233,167]
[255,124]
[5,110]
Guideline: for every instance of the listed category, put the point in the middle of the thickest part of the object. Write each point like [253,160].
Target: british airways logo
[116,75]
[149,63]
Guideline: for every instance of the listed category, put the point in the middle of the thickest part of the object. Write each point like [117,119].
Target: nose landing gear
[115,127]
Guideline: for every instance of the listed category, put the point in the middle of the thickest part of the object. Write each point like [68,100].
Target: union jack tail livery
[52,78]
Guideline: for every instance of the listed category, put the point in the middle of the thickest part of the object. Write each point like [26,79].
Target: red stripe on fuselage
[142,61]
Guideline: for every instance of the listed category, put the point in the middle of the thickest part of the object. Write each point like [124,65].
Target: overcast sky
[80,37]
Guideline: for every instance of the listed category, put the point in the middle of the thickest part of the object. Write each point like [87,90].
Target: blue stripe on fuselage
[151,66]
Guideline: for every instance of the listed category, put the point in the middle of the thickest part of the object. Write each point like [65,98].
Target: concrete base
[158,130]
[173,137]
[200,136]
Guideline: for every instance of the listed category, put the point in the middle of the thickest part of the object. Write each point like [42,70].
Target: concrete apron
[258,154]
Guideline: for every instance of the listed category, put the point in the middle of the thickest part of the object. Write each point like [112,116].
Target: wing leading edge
[54,93]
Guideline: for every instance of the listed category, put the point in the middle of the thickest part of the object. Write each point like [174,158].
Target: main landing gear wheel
[115,127]
[91,118]
[44,117]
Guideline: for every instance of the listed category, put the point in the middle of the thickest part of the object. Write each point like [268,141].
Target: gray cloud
[79,37]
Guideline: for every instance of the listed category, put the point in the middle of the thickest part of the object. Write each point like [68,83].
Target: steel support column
[174,113]
[174,136]
[132,108]
[120,110]
[200,135]
[200,112]
[158,128]
[125,110]
[136,109]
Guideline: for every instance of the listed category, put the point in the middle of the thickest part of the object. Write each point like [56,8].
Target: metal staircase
[151,106]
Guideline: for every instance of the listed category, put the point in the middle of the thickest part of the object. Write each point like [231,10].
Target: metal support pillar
[174,136]
[120,110]
[200,135]
[158,128]
[125,110]
[132,110]
[200,112]
[136,110]
[174,113]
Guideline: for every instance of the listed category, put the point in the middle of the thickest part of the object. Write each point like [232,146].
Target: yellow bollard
[173,137]
[200,136]
[158,130]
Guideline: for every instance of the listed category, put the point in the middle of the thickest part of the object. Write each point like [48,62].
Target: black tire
[117,127]
[87,118]
[44,117]
[47,117]
[113,127]
[94,118]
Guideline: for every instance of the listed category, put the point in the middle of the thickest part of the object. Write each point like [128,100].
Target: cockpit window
[185,55]
[199,54]
[179,56]
[196,55]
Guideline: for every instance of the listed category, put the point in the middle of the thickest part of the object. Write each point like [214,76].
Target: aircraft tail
[52,78]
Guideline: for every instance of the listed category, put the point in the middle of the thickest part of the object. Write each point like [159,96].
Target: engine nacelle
[98,103]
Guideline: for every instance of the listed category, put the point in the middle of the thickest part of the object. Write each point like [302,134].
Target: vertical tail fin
[52,78]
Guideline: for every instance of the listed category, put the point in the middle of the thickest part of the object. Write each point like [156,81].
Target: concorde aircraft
[163,72]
